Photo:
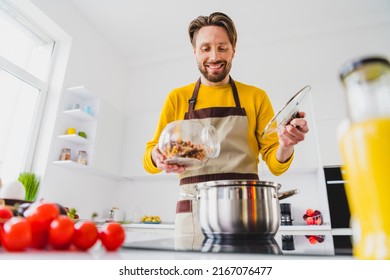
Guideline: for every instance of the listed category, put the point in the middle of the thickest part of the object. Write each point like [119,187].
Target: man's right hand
[158,159]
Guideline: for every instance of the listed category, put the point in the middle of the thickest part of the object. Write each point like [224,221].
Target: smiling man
[214,54]
[238,111]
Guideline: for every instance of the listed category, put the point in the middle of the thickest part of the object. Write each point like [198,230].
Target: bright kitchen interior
[121,58]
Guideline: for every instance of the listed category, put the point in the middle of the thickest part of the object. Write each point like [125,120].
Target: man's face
[214,53]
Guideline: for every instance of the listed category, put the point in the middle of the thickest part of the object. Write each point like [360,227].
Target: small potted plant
[30,182]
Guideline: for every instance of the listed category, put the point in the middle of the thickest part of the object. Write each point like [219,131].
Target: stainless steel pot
[240,209]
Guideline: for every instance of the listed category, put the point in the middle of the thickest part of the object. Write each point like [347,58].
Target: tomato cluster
[313,217]
[43,227]
[314,239]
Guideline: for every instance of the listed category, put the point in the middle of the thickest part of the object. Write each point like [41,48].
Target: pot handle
[190,196]
[286,194]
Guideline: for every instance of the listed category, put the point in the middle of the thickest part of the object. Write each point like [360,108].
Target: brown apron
[236,160]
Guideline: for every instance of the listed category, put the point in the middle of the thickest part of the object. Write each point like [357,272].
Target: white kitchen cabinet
[104,130]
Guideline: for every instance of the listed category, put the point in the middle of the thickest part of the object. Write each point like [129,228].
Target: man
[239,112]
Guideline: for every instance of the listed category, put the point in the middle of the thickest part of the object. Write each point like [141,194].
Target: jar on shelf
[65,154]
[82,158]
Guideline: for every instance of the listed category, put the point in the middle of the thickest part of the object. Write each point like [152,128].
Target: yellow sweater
[257,106]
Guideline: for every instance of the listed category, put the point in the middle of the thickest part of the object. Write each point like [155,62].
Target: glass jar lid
[354,65]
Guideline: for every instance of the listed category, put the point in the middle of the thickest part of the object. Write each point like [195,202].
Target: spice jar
[82,158]
[365,152]
[65,154]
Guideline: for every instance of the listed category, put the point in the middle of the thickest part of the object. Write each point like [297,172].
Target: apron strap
[235,92]
[192,100]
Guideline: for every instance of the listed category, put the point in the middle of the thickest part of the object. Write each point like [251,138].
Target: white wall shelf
[322,227]
[75,115]
[71,164]
[103,127]
[79,115]
[75,139]
[84,168]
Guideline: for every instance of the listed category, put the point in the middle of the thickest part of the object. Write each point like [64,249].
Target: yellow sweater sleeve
[166,116]
[173,109]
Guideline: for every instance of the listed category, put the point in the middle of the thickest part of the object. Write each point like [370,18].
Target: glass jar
[82,158]
[367,82]
[365,152]
[189,143]
[65,154]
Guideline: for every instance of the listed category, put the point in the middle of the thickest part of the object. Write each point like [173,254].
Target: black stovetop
[282,244]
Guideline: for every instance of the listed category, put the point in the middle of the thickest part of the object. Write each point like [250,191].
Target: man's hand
[158,160]
[294,132]
[290,135]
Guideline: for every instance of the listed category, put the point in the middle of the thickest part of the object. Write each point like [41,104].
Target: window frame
[40,85]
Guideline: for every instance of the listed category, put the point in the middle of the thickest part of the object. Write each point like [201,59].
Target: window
[25,61]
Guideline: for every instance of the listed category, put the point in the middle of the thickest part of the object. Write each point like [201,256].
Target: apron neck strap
[192,101]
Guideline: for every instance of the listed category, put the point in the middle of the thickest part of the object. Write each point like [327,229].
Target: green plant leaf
[31,183]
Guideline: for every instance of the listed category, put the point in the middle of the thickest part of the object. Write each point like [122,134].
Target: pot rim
[237,183]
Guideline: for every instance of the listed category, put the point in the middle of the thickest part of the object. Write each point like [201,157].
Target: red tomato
[40,215]
[61,232]
[309,212]
[5,215]
[85,235]
[112,236]
[16,234]
[313,240]
[310,220]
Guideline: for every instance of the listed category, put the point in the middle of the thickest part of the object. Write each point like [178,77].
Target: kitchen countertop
[322,228]
[150,225]
[148,255]
[138,246]
[98,253]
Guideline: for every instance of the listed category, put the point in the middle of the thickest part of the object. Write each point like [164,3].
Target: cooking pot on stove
[245,209]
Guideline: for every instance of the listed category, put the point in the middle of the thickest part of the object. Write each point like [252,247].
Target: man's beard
[215,78]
